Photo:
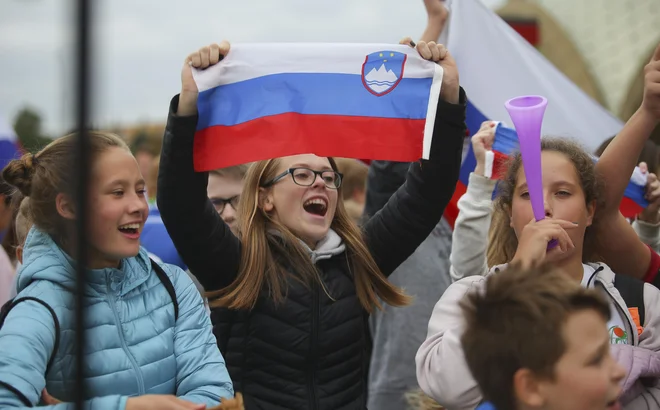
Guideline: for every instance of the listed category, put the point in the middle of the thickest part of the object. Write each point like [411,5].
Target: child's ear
[265,200]
[528,389]
[65,206]
[591,210]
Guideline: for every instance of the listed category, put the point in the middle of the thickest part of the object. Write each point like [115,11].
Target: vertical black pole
[81,172]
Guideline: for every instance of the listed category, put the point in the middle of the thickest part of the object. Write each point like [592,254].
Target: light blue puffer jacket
[134,346]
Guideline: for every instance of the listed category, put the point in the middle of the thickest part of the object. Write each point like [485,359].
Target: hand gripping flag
[366,101]
[506,143]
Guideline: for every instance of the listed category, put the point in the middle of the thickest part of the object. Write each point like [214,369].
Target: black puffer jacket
[312,351]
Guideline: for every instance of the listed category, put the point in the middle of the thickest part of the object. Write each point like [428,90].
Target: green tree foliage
[27,126]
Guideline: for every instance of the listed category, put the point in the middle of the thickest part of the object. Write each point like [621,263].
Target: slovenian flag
[496,64]
[367,101]
[506,143]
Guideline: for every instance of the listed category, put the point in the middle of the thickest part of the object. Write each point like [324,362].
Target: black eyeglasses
[306,177]
[220,203]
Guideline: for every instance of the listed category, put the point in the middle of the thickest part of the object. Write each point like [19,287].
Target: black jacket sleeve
[410,215]
[203,240]
[383,179]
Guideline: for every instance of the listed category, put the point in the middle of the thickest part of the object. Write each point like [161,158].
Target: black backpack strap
[18,394]
[168,285]
[4,312]
[7,307]
[632,292]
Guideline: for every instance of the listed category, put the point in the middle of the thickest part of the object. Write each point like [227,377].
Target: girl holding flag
[575,214]
[294,288]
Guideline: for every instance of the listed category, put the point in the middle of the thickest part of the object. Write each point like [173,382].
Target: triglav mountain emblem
[382,71]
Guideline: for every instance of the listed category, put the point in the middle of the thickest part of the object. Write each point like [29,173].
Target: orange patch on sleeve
[634,312]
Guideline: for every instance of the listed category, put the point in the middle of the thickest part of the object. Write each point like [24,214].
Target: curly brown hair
[503,241]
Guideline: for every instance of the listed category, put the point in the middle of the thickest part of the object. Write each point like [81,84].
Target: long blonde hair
[260,267]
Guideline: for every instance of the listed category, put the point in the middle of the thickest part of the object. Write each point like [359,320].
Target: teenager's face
[563,198]
[225,188]
[307,211]
[118,208]
[586,377]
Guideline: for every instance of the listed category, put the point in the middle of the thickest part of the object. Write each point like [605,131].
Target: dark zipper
[313,348]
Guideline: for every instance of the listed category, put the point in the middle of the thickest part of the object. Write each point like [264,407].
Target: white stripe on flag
[434,96]
[488,167]
[248,61]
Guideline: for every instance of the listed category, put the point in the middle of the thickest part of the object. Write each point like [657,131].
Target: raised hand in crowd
[439,53]
[618,242]
[482,141]
[651,214]
[202,58]
[437,15]
[651,101]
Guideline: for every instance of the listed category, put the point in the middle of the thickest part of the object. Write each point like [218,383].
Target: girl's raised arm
[617,242]
[204,241]
[410,215]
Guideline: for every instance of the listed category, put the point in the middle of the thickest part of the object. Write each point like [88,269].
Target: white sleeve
[442,371]
[470,236]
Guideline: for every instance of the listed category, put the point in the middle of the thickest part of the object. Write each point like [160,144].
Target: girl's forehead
[554,165]
[304,160]
[115,163]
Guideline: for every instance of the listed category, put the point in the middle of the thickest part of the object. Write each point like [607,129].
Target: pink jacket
[642,374]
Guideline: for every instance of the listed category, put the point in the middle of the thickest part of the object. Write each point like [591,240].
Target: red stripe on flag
[499,165]
[630,208]
[390,139]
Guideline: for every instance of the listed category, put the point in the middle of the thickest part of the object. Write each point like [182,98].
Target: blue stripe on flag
[473,120]
[309,93]
[506,140]
[636,193]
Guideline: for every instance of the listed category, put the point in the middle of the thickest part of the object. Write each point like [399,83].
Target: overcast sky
[140,45]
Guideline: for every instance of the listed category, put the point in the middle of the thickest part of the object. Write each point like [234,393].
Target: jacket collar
[604,277]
